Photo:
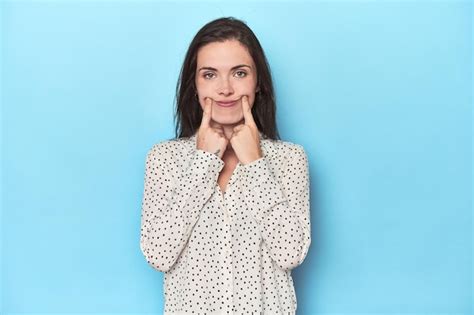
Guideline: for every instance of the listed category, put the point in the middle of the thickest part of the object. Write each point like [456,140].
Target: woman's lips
[226,104]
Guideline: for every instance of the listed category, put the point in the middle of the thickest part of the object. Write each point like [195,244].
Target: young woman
[226,209]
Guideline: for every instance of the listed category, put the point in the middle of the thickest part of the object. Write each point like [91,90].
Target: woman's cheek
[251,100]
[200,97]
[202,101]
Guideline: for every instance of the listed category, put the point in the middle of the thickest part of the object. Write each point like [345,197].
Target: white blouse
[232,252]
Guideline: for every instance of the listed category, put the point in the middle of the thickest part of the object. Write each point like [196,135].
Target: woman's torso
[226,265]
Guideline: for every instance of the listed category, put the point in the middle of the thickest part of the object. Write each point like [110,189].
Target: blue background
[378,92]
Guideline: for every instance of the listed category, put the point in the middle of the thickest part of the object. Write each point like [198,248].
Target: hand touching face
[210,136]
[246,138]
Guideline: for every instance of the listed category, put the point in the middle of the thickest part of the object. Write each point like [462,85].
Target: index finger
[247,111]
[206,114]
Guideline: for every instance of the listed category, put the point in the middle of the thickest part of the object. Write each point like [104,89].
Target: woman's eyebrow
[214,69]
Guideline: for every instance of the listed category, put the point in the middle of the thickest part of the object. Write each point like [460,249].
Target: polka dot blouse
[232,252]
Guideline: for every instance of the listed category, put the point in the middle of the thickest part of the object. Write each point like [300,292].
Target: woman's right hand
[209,138]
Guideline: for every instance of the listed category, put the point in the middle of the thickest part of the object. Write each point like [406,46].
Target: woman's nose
[226,87]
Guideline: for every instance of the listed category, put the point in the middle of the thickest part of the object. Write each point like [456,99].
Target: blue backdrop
[378,92]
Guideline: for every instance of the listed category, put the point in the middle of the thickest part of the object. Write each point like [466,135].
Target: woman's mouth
[226,104]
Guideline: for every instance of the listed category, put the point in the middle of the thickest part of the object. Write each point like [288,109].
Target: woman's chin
[228,120]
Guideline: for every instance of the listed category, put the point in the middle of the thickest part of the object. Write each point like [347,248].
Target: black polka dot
[232,252]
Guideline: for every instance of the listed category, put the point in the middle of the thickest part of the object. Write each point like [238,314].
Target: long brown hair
[188,113]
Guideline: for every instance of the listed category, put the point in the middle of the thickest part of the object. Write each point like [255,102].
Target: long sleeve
[172,201]
[282,211]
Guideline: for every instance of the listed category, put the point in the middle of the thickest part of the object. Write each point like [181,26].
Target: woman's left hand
[245,139]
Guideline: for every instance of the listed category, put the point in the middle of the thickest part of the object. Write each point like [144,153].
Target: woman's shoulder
[283,148]
[175,147]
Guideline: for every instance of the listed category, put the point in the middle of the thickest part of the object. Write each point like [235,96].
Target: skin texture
[230,130]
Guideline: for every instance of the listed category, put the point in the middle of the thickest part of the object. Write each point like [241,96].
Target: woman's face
[225,72]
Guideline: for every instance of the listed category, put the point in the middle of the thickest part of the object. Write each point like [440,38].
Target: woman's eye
[206,75]
[244,74]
